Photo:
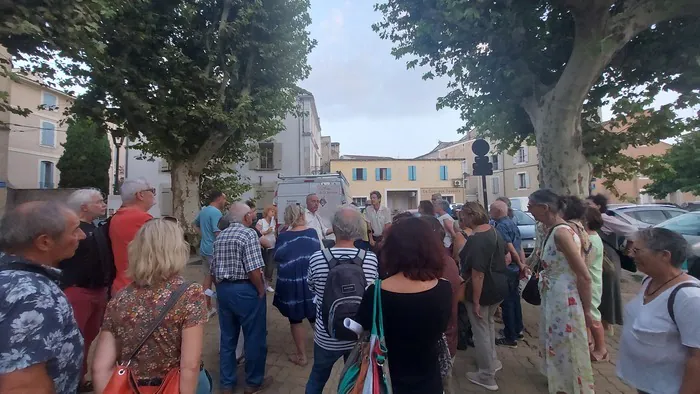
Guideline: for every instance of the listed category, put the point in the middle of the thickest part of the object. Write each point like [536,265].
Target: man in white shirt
[378,216]
[313,220]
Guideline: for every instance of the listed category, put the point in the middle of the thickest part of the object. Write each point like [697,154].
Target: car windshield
[522,219]
[686,224]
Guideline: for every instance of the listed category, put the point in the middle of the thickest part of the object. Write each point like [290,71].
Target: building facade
[402,183]
[296,150]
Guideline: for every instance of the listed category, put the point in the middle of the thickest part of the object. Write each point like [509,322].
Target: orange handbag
[123,381]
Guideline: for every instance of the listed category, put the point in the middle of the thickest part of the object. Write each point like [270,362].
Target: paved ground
[519,376]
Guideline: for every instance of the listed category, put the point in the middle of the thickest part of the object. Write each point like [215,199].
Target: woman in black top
[416,306]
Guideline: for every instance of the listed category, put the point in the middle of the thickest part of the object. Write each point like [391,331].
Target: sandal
[604,359]
[294,358]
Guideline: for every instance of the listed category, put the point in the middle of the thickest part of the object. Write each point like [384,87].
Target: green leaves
[86,157]
[677,169]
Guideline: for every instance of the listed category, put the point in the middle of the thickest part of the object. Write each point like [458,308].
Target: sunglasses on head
[171,219]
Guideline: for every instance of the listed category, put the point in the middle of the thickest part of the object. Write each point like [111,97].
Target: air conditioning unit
[457,183]
[164,166]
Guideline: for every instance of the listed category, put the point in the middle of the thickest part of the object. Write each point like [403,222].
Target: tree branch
[222,24]
[641,14]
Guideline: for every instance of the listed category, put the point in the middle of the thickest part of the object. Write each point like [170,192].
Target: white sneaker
[487,382]
[209,293]
[270,289]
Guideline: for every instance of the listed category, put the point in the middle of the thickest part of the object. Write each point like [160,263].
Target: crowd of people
[66,282]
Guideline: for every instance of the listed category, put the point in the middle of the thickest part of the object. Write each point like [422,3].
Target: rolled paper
[353,326]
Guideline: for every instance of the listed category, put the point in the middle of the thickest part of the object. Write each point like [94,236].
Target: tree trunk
[185,191]
[562,165]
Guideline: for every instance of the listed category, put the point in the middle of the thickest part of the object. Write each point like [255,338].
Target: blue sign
[3,184]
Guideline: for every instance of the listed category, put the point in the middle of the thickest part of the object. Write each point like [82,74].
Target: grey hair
[309,196]
[131,186]
[347,224]
[22,225]
[237,212]
[500,207]
[293,215]
[547,197]
[444,204]
[82,197]
[661,239]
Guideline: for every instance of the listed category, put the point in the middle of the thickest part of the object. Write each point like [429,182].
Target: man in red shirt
[138,196]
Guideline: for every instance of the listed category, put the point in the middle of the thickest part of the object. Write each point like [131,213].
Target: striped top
[318,272]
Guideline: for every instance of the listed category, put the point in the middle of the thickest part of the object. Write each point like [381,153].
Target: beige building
[402,183]
[513,175]
[34,142]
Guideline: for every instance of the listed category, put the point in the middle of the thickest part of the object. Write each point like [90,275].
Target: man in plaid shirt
[236,268]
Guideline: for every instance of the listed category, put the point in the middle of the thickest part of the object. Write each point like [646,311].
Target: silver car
[687,225]
[526,225]
[646,215]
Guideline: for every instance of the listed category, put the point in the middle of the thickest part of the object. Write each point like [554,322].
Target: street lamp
[118,140]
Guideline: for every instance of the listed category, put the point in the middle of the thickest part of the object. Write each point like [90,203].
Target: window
[267,161]
[449,199]
[496,185]
[382,174]
[494,160]
[49,101]
[48,134]
[652,217]
[688,224]
[522,181]
[411,173]
[360,201]
[443,173]
[359,174]
[46,175]
[521,156]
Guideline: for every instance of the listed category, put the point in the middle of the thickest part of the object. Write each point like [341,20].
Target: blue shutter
[377,174]
[388,174]
[354,174]
[42,175]
[410,173]
[446,175]
[364,174]
[48,131]
[443,173]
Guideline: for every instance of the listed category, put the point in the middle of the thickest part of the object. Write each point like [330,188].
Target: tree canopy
[532,70]
[86,157]
[677,169]
[196,79]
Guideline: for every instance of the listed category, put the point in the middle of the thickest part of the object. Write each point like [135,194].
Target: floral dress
[563,340]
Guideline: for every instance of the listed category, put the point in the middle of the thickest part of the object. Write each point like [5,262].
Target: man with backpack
[338,278]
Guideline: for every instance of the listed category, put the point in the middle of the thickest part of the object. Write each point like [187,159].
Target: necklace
[659,288]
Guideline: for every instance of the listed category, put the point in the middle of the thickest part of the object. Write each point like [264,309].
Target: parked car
[646,215]
[687,225]
[692,206]
[526,225]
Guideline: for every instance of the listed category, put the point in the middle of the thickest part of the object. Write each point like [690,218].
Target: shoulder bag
[366,370]
[531,292]
[123,380]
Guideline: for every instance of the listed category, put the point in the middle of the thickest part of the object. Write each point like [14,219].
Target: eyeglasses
[152,190]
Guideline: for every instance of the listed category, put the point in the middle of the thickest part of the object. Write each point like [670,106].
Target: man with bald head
[511,309]
[42,346]
[236,268]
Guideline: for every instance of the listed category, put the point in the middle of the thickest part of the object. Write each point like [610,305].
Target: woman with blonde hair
[293,298]
[133,333]
[267,226]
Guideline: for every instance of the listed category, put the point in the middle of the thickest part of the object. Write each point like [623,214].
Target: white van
[332,189]
[519,203]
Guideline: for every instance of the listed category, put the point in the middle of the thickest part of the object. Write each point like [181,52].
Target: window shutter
[446,175]
[525,150]
[388,174]
[277,155]
[364,174]
[527,180]
[42,175]
[377,174]
[410,173]
[354,174]
[255,162]
[48,131]
[516,182]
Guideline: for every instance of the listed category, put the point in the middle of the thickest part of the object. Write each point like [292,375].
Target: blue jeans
[512,312]
[240,307]
[323,365]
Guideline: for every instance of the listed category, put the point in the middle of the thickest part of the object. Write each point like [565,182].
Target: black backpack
[345,286]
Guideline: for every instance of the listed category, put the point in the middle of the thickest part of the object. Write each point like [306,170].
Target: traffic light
[482,166]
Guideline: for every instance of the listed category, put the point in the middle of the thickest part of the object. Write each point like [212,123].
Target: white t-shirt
[447,241]
[315,222]
[266,226]
[653,350]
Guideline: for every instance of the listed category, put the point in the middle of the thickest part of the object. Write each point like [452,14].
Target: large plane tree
[541,69]
[195,80]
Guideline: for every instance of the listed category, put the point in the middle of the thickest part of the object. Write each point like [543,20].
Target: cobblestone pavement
[520,366]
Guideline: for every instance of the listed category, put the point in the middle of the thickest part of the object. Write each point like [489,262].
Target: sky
[366,99]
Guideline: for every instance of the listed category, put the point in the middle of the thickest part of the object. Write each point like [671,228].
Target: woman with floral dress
[293,298]
[565,288]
